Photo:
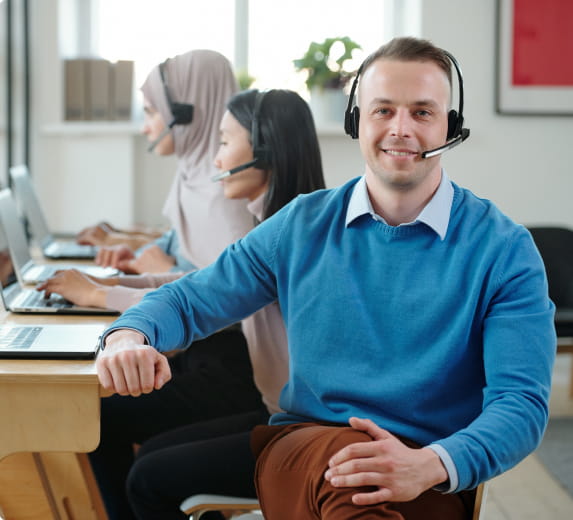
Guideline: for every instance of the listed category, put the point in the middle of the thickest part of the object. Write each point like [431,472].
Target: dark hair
[287,131]
[408,48]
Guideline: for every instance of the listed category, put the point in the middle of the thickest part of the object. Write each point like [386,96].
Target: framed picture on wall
[534,57]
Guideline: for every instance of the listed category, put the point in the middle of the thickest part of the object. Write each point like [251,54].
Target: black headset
[456,131]
[182,112]
[261,153]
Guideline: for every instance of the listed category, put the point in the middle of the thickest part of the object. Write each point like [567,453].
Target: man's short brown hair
[411,49]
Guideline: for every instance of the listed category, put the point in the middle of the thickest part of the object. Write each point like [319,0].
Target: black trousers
[213,378]
[210,457]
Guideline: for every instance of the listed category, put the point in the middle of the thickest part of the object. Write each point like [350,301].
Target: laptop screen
[7,272]
[29,204]
[14,231]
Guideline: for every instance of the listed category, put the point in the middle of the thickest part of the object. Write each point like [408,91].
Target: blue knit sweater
[449,342]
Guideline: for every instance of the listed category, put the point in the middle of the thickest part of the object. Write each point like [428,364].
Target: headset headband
[182,112]
[260,151]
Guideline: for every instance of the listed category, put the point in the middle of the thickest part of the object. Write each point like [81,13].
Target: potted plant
[244,79]
[326,77]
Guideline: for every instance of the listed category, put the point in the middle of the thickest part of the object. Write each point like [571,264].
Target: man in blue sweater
[420,330]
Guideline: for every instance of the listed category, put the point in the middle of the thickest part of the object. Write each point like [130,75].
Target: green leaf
[316,63]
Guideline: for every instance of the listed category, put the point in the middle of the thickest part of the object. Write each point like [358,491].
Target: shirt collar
[435,214]
[257,206]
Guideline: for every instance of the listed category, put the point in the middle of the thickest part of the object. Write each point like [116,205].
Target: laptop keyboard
[18,337]
[37,299]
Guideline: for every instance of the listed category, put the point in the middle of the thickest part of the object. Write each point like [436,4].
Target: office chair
[197,505]
[555,244]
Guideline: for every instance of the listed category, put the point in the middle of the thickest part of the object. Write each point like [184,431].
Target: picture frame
[534,51]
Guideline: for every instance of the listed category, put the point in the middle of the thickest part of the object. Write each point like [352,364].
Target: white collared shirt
[435,214]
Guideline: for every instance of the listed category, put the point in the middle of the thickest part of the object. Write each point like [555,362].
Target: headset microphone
[159,138]
[236,169]
[465,133]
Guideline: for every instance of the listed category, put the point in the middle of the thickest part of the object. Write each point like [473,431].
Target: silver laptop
[26,269]
[50,341]
[31,209]
[19,299]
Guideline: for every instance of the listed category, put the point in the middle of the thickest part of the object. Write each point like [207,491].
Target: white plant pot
[328,106]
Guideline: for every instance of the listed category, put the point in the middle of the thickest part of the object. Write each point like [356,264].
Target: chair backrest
[481,495]
[555,244]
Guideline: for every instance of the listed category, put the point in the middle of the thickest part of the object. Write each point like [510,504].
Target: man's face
[403,112]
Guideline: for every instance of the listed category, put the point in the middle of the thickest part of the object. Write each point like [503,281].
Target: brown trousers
[289,477]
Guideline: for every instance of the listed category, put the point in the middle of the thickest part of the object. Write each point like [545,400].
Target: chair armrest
[206,502]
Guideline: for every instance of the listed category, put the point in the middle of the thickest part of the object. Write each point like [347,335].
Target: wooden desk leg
[22,493]
[70,485]
[92,487]
[49,486]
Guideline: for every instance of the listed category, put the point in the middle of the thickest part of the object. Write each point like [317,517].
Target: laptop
[50,341]
[31,209]
[19,299]
[26,269]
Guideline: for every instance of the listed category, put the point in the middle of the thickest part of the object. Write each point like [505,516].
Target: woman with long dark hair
[271,139]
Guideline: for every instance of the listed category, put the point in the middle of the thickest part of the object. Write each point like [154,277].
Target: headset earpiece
[351,122]
[262,155]
[182,113]
[455,124]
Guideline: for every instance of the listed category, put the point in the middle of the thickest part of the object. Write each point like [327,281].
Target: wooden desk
[49,412]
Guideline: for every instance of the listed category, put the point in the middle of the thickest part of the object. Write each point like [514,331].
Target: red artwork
[542,43]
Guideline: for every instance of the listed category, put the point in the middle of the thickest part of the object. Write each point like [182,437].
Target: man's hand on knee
[398,472]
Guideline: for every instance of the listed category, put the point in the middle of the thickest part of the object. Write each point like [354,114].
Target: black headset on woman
[182,112]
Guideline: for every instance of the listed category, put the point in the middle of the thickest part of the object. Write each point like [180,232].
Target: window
[149,31]
[278,32]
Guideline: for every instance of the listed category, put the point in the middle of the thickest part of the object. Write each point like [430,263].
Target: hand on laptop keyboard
[76,287]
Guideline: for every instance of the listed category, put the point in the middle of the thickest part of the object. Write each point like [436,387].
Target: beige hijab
[204,220]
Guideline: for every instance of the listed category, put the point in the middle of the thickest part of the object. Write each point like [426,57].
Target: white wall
[521,163]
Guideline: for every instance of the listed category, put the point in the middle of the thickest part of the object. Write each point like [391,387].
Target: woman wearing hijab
[203,221]
[213,378]
[214,456]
